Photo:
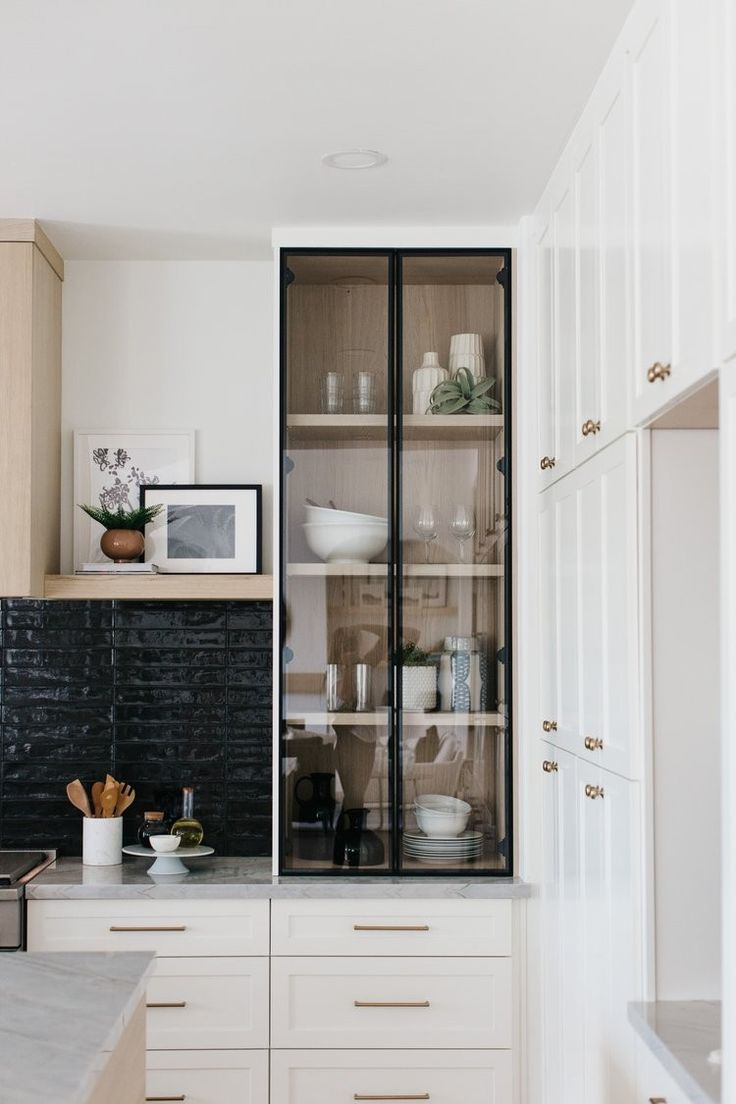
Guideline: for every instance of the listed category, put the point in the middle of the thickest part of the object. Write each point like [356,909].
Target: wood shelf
[485,720]
[161,588]
[432,571]
[315,429]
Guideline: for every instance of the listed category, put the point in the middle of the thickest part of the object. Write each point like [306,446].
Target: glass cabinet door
[336,592]
[451,606]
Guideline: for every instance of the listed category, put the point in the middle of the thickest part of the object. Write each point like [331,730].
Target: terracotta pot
[122,545]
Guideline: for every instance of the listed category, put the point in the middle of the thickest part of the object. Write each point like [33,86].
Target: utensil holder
[102,841]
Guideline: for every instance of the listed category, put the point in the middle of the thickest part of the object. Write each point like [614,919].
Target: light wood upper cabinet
[30,407]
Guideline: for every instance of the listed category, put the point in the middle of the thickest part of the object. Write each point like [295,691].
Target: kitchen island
[72,1028]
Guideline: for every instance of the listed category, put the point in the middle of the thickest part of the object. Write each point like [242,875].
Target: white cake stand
[170,863]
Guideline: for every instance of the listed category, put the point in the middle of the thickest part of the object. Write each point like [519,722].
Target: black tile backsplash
[161,694]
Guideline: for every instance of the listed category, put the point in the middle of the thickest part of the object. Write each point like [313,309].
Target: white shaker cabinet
[671,99]
[547,404]
[727,174]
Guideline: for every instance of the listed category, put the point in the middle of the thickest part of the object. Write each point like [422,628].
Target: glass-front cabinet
[395,668]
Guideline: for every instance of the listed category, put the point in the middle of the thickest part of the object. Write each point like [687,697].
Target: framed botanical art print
[204,528]
[110,466]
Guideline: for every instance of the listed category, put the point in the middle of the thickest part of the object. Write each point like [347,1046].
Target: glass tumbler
[364,393]
[331,393]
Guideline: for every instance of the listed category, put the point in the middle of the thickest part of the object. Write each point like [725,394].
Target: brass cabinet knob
[593,743]
[659,371]
[549,766]
[547,462]
[594,791]
[590,427]
[549,726]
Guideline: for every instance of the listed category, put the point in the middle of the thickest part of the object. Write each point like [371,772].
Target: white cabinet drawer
[169,927]
[385,927]
[208,1003]
[439,1076]
[207,1076]
[388,1002]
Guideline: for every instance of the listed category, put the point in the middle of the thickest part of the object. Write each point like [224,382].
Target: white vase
[102,841]
[424,381]
[418,688]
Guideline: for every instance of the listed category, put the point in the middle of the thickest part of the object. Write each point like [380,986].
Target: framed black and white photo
[204,528]
[111,465]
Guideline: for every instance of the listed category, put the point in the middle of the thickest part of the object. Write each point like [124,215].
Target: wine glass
[426,527]
[462,527]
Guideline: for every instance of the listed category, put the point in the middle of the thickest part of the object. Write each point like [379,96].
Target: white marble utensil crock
[102,841]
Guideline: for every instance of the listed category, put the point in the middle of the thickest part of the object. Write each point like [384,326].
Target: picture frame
[205,528]
[109,467]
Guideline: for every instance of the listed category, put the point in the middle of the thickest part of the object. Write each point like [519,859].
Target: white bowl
[164,844]
[442,804]
[347,543]
[441,825]
[325,516]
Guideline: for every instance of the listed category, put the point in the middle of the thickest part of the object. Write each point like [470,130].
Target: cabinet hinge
[502,277]
[289,277]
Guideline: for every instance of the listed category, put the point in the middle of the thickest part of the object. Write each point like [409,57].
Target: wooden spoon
[109,799]
[97,788]
[126,797]
[77,794]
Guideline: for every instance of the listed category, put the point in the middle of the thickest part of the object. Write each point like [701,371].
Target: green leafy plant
[413,656]
[462,395]
[122,519]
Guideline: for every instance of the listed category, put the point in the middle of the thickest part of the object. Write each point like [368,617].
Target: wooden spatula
[109,799]
[97,788]
[77,794]
[126,797]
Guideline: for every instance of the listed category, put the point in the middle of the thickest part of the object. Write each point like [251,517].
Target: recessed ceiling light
[354,159]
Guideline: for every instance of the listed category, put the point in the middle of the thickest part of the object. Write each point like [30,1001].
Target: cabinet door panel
[652,202]
[588,366]
[565,342]
[547,405]
[548,656]
[567,528]
[727,137]
[592,553]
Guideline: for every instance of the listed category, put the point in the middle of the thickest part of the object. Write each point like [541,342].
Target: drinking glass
[364,393]
[462,527]
[331,393]
[425,526]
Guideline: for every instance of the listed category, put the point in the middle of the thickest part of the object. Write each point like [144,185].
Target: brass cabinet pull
[594,791]
[391,1096]
[657,1100]
[390,927]
[181,1097]
[659,371]
[547,462]
[593,743]
[549,726]
[166,1004]
[549,766]
[590,427]
[167,928]
[391,1004]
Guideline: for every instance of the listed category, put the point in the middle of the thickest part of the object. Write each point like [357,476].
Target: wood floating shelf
[486,720]
[315,429]
[161,588]
[448,571]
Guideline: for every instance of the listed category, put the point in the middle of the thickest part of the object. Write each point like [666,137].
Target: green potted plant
[122,541]
[462,395]
[418,679]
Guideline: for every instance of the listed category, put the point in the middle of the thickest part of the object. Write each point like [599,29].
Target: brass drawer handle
[549,766]
[657,1100]
[391,1004]
[593,743]
[549,726]
[391,1096]
[590,427]
[594,791]
[182,1097]
[166,928]
[547,462]
[166,1004]
[391,927]
[659,371]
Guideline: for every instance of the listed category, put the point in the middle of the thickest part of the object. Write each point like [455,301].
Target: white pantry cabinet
[726,32]
[671,93]
[589,958]
[588,610]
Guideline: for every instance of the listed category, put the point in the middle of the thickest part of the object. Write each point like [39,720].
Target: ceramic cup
[102,841]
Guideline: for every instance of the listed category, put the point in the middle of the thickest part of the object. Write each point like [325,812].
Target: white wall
[172,345]
[686,712]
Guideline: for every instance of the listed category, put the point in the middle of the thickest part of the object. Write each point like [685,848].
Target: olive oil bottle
[189,829]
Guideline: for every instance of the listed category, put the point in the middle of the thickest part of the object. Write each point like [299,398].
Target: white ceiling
[188,128]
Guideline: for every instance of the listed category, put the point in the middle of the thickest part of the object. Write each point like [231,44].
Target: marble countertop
[58,1014]
[240,877]
[681,1035]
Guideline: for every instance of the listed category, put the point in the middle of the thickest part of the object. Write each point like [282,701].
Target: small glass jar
[154,824]
[190,830]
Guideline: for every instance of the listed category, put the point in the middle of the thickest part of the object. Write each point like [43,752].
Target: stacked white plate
[443,850]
